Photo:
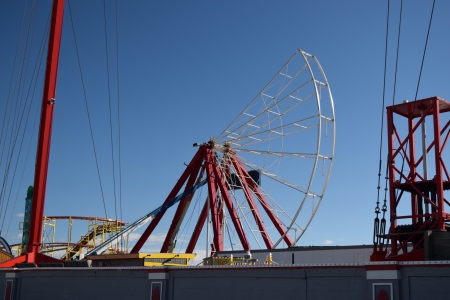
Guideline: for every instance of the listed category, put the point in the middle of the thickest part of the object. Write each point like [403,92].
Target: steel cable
[29,95]
[377,208]
[5,132]
[87,112]
[424,50]
[118,114]
[17,127]
[110,110]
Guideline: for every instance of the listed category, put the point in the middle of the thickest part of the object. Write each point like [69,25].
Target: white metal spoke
[270,93]
[286,133]
[270,134]
[284,154]
[255,122]
[242,210]
[284,139]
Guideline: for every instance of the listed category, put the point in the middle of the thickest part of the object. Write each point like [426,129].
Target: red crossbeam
[242,172]
[186,174]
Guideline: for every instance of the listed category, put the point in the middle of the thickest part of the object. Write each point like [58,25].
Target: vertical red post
[45,131]
[251,202]
[427,187]
[412,167]
[225,196]
[214,202]
[392,184]
[440,215]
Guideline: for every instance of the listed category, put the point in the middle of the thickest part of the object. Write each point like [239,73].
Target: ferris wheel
[266,173]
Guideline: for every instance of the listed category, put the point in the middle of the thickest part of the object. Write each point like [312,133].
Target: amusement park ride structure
[98,230]
[283,138]
[32,253]
[423,234]
[279,142]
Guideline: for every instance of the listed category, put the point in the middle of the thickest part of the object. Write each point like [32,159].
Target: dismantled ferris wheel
[266,173]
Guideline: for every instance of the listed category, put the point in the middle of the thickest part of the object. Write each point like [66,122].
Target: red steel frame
[423,190]
[193,165]
[205,156]
[206,159]
[43,152]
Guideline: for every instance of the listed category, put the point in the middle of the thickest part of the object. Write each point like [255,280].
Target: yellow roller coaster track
[98,230]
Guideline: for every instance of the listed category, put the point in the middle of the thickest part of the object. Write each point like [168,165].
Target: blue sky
[187,68]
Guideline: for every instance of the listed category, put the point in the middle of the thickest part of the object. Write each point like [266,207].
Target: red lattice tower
[417,179]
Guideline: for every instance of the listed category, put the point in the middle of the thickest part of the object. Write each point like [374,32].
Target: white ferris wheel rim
[224,137]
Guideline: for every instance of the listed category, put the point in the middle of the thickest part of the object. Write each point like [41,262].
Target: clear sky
[187,68]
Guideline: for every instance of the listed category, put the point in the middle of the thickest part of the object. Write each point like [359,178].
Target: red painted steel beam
[409,239]
[229,203]
[436,218]
[412,170]
[45,131]
[446,136]
[213,202]
[418,255]
[242,172]
[221,211]
[403,143]
[267,208]
[432,143]
[197,160]
[392,180]
[419,192]
[32,257]
[198,228]
[438,165]
[180,209]
[401,147]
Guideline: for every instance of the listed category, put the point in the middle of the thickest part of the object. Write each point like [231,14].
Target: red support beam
[193,165]
[229,203]
[45,130]
[412,171]
[268,209]
[180,209]
[32,252]
[213,203]
[392,183]
[198,228]
[425,184]
[440,215]
[242,174]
